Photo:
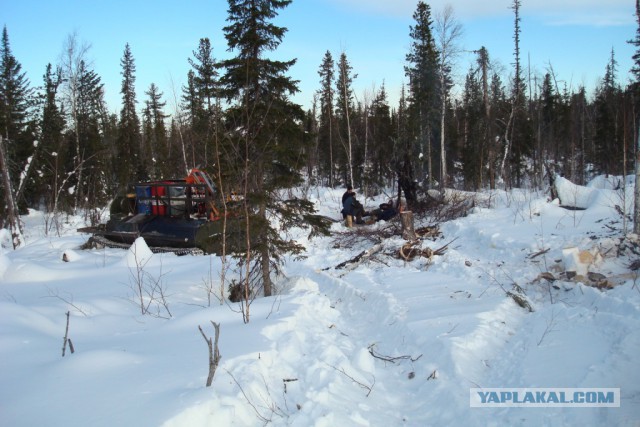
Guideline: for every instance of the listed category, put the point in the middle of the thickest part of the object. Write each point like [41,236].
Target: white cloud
[554,12]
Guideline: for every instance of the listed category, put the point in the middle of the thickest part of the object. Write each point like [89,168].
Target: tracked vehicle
[183,216]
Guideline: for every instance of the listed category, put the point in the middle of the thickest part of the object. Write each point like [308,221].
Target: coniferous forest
[62,151]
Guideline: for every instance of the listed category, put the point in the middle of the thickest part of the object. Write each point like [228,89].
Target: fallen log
[362,256]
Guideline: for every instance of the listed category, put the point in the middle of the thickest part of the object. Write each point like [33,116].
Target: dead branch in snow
[66,340]
[537,254]
[362,256]
[364,386]
[288,380]
[391,359]
[214,353]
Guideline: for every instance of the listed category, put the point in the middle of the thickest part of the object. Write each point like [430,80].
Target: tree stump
[408,230]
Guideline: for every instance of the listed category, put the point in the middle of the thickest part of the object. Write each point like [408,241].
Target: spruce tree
[16,135]
[326,125]
[205,74]
[518,133]
[382,135]
[422,71]
[129,166]
[15,93]
[473,121]
[85,161]
[608,127]
[201,95]
[52,125]
[16,115]
[345,116]
[192,118]
[263,121]
[155,134]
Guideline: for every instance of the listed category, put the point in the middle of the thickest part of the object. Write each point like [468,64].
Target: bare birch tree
[71,60]
[448,31]
[636,72]
[13,216]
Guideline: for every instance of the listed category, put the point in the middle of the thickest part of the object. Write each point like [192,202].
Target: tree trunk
[443,152]
[636,194]
[266,273]
[408,230]
[13,216]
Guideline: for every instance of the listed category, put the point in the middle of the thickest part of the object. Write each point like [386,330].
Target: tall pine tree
[17,124]
[345,116]
[201,96]
[16,142]
[52,125]
[424,82]
[266,133]
[129,166]
[326,125]
[155,135]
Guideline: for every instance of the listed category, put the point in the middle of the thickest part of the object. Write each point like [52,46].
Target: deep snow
[306,358]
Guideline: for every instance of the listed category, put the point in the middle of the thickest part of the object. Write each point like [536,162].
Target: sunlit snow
[387,343]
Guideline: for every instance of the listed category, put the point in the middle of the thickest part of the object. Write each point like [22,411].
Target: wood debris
[409,251]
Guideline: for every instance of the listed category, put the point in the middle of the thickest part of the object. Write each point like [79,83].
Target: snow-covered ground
[387,343]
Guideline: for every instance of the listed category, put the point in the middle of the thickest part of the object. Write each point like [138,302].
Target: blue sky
[575,37]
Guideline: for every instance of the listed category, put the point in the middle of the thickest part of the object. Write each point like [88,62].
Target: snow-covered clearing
[386,343]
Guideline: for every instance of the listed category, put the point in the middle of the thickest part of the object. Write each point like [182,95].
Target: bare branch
[214,353]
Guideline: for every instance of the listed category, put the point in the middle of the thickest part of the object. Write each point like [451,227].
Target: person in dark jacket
[347,195]
[385,212]
[351,206]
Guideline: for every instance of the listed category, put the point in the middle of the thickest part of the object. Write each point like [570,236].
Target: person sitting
[385,212]
[347,194]
[358,210]
[353,208]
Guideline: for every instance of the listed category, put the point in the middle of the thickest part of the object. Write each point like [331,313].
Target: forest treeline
[62,151]
[66,151]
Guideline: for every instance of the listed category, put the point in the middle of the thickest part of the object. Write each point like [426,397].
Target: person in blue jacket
[347,195]
[351,206]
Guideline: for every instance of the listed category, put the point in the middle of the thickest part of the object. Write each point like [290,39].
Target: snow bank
[605,190]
